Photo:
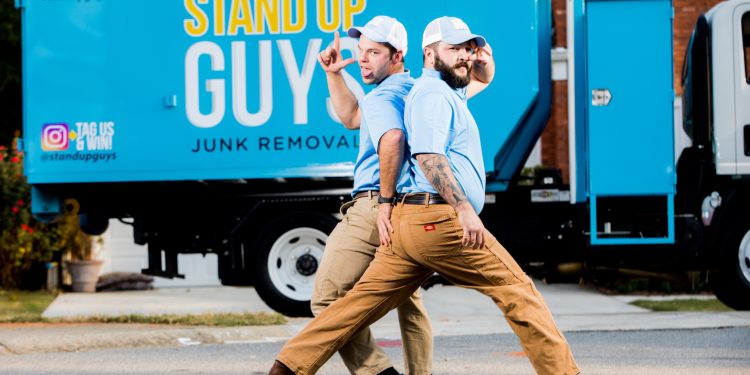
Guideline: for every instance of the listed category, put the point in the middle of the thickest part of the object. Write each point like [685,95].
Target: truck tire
[290,251]
[732,283]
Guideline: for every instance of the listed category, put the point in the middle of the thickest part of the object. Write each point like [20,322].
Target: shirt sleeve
[382,112]
[431,118]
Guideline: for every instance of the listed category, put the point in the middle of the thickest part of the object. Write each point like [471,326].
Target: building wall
[686,12]
[555,136]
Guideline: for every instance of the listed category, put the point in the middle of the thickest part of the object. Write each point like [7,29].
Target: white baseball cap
[383,29]
[451,30]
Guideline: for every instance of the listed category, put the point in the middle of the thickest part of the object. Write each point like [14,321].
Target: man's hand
[331,60]
[473,226]
[482,71]
[482,56]
[384,223]
[438,172]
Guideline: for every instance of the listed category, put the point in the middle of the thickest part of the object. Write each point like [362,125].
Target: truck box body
[119,91]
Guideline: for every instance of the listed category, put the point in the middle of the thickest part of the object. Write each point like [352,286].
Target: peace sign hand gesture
[331,59]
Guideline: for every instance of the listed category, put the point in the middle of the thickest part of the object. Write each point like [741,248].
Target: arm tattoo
[439,173]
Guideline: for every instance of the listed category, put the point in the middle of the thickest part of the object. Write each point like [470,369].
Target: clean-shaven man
[351,246]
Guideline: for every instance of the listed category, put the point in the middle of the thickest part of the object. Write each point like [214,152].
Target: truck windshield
[746,43]
[696,97]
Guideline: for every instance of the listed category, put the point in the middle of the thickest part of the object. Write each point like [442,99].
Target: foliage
[10,69]
[73,240]
[27,307]
[23,240]
[207,319]
[683,305]
[528,175]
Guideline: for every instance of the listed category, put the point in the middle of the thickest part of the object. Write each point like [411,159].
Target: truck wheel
[732,283]
[291,249]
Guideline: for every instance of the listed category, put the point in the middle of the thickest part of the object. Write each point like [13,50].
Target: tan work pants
[427,239]
[349,250]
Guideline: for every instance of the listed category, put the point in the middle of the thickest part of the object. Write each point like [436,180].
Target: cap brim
[354,32]
[358,31]
[480,41]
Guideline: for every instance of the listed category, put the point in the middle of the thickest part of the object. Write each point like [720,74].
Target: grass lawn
[27,307]
[683,305]
[209,319]
[17,306]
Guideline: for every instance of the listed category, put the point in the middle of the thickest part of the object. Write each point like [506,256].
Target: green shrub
[23,240]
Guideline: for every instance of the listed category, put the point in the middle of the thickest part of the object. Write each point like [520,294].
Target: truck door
[741,32]
[630,121]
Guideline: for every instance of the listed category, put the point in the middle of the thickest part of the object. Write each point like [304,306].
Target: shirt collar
[427,72]
[397,77]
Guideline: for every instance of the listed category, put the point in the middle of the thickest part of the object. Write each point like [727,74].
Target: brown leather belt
[421,198]
[367,193]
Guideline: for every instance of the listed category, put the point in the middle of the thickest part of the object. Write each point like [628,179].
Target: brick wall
[686,12]
[555,136]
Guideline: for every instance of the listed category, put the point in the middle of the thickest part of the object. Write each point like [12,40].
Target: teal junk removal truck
[206,124]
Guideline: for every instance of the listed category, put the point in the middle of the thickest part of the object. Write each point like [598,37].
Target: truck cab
[714,170]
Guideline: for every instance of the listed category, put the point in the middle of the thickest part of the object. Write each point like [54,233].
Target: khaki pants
[349,250]
[427,239]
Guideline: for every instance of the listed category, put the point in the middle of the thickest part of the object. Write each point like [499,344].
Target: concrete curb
[84,337]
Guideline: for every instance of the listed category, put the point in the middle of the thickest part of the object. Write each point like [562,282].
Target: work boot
[389,371]
[280,369]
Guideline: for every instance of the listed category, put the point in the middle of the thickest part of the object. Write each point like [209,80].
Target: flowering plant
[23,240]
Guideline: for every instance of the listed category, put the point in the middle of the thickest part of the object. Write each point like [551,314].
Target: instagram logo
[55,137]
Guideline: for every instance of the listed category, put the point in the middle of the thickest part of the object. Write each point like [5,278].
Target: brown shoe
[280,369]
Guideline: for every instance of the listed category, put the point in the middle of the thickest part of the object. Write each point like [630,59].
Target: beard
[448,73]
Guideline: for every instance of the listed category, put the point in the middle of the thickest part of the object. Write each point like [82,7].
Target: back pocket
[434,235]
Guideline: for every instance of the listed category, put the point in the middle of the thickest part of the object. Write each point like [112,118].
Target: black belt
[367,193]
[421,198]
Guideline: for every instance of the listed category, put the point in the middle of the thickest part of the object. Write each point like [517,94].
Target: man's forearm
[391,155]
[438,171]
[344,101]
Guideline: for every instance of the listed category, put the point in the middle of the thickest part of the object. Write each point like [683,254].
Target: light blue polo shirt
[438,121]
[382,109]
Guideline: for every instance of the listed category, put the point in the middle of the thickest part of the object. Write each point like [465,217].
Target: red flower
[14,209]
[15,159]
[27,228]
[2,147]
[1,157]
[19,203]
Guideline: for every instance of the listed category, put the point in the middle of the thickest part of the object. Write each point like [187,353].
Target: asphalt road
[659,352]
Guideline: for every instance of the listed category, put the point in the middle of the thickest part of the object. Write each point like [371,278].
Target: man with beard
[437,227]
[351,246]
[437,219]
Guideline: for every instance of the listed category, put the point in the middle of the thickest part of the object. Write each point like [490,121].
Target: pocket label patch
[429,227]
